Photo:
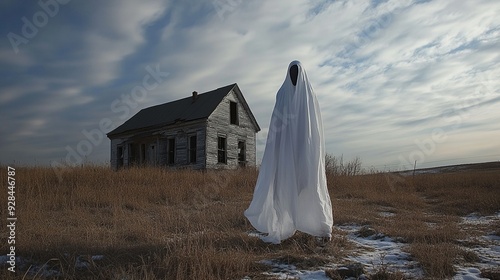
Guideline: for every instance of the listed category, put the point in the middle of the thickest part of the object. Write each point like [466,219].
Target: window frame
[242,162]
[221,151]
[192,151]
[171,151]
[233,113]
[120,155]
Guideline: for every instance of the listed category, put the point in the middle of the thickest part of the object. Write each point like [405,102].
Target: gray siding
[181,133]
[155,145]
[218,124]
[143,152]
[150,147]
[114,150]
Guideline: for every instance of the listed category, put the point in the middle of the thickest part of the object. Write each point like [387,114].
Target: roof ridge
[189,97]
[170,112]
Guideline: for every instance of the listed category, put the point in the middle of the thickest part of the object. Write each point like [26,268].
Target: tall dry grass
[154,223]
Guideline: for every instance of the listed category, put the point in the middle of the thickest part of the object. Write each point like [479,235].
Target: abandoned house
[215,129]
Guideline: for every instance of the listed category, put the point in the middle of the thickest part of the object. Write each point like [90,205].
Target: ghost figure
[291,192]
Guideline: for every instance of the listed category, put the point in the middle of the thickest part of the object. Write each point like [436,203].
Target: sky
[397,81]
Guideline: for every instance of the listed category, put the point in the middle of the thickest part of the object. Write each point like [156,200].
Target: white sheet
[291,192]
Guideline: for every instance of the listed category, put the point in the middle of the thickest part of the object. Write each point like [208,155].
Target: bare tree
[337,167]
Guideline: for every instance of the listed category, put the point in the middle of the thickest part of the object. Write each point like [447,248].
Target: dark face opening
[294,72]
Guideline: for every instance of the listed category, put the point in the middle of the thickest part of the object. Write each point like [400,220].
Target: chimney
[195,95]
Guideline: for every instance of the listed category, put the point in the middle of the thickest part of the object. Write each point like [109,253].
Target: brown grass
[152,223]
[436,259]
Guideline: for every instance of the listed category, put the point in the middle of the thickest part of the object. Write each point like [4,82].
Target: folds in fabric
[291,192]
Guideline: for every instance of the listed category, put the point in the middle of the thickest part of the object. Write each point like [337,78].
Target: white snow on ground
[288,271]
[489,248]
[373,252]
[378,250]
[486,247]
[82,263]
[386,214]
[468,273]
[476,219]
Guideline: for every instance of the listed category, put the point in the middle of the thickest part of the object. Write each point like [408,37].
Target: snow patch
[378,250]
[468,273]
[83,262]
[289,271]
[386,214]
[255,234]
[486,247]
[476,219]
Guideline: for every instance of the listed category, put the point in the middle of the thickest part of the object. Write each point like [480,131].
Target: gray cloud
[384,80]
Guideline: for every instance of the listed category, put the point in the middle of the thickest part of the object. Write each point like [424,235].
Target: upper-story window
[233,112]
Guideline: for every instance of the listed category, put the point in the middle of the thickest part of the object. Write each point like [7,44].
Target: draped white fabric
[291,192]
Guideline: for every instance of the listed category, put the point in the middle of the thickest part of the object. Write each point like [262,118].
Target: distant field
[493,166]
[151,223]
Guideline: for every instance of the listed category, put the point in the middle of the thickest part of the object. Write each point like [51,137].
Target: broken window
[171,151]
[241,153]
[143,154]
[222,150]
[132,154]
[192,149]
[233,112]
[119,156]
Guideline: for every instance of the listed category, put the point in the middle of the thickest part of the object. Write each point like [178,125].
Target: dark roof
[181,110]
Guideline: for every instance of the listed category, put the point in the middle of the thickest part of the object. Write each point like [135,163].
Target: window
[132,154]
[241,153]
[143,154]
[119,156]
[151,155]
[171,151]
[233,112]
[192,149]
[222,150]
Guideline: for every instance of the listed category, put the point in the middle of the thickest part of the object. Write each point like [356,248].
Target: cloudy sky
[397,81]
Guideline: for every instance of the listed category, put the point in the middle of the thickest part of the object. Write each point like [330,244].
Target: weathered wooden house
[215,129]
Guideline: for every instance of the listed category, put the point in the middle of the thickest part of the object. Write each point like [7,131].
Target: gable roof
[181,110]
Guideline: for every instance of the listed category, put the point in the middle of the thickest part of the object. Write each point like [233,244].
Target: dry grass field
[152,223]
